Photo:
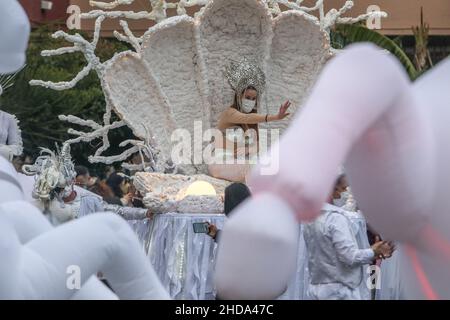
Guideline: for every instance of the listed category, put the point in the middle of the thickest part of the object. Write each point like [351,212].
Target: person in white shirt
[335,260]
[10,137]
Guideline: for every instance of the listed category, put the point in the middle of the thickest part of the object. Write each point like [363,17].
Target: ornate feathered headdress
[243,74]
[52,170]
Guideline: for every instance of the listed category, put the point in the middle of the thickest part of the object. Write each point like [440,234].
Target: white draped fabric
[183,260]
[390,284]
[298,287]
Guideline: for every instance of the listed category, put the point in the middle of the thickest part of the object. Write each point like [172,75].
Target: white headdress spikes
[52,170]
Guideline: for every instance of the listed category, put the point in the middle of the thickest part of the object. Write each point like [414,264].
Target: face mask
[342,200]
[339,202]
[66,192]
[247,105]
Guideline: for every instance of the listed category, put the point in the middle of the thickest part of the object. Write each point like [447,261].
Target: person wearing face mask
[340,191]
[335,255]
[343,198]
[239,123]
[57,196]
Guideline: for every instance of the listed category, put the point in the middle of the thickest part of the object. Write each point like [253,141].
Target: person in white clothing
[15,29]
[56,195]
[335,260]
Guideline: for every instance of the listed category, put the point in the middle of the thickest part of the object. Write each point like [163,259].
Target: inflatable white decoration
[393,137]
[37,259]
[13,47]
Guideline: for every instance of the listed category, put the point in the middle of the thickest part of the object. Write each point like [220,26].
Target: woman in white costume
[236,150]
[56,195]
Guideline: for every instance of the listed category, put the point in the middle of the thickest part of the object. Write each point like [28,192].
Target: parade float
[174,81]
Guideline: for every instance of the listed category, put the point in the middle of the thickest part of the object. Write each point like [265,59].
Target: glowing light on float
[200,188]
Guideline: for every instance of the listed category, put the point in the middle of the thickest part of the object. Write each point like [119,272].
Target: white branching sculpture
[175,75]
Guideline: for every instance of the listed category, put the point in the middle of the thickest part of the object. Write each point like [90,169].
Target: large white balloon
[36,257]
[394,139]
[15,30]
[253,232]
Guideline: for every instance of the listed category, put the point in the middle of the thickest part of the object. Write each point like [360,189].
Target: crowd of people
[115,188]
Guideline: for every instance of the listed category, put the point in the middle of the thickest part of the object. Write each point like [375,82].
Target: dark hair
[81,170]
[114,182]
[235,193]
[340,180]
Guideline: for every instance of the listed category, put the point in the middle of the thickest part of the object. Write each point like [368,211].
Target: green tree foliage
[346,34]
[37,108]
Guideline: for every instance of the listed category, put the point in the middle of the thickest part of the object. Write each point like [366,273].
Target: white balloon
[15,30]
[394,139]
[243,269]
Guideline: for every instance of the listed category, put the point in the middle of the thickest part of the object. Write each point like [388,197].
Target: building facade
[403,14]
[45,11]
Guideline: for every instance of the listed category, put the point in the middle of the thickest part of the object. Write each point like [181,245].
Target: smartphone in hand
[200,227]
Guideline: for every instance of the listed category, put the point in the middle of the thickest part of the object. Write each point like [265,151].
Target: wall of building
[38,16]
[403,14]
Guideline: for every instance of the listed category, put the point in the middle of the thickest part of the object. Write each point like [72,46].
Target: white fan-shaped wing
[170,51]
[137,97]
[298,52]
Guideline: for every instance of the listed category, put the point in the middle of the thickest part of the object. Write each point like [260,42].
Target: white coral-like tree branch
[158,13]
[129,37]
[93,63]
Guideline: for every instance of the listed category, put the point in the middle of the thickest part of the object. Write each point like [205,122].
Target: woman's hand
[282,113]
[212,230]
